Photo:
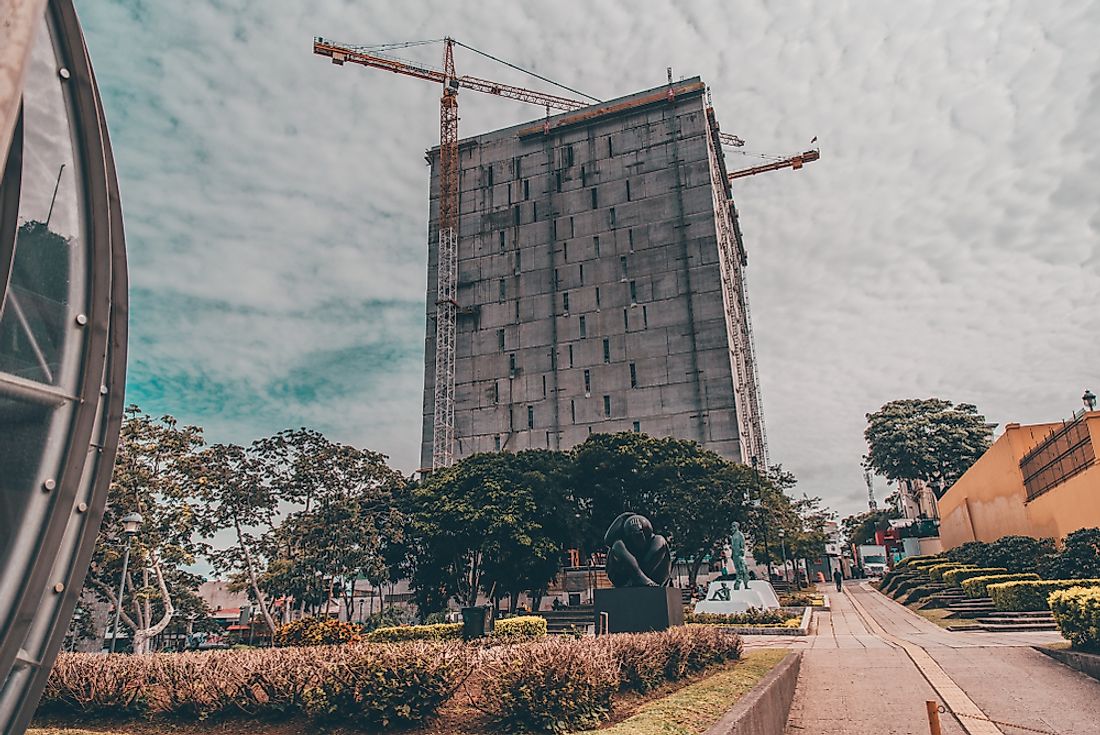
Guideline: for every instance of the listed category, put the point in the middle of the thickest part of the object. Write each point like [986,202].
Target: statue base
[638,609]
[723,599]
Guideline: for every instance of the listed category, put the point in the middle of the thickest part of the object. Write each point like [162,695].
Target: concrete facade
[992,499]
[591,293]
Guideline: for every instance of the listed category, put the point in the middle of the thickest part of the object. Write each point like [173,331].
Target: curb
[763,709]
[1087,663]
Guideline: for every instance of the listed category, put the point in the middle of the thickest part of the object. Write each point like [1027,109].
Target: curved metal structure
[63,310]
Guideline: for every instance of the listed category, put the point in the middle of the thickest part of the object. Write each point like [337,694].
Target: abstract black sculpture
[637,556]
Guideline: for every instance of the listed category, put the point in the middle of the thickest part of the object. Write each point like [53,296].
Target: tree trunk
[513,602]
[143,635]
[250,568]
[693,573]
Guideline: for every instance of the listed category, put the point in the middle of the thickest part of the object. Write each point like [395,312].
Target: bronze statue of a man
[737,553]
[637,556]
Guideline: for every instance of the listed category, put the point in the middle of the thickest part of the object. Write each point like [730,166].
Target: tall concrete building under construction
[600,283]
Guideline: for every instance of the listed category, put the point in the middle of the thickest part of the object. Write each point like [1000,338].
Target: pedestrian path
[870,664]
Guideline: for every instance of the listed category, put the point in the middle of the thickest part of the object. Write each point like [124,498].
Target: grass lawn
[694,708]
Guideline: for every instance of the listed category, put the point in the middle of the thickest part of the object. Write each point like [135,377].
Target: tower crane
[447,307]
[871,504]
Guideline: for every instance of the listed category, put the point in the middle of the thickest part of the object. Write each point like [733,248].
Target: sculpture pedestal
[639,609]
[759,595]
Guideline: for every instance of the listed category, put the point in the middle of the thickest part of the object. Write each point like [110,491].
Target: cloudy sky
[945,245]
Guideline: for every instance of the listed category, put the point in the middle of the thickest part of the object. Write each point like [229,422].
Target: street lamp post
[783,546]
[131,525]
[763,519]
[1089,399]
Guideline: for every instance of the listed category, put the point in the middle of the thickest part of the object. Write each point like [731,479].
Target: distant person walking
[838,577]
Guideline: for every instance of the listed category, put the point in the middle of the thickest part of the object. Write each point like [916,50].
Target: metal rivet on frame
[49,485]
[102,390]
[59,587]
[81,319]
[81,507]
[63,73]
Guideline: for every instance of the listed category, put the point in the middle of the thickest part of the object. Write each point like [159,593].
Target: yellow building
[1039,480]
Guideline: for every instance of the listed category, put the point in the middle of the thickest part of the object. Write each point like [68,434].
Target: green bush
[97,683]
[554,685]
[1076,611]
[910,560]
[749,617]
[371,686]
[524,626]
[1017,554]
[433,632]
[935,573]
[1027,596]
[1079,558]
[315,632]
[976,587]
[920,592]
[956,577]
[888,584]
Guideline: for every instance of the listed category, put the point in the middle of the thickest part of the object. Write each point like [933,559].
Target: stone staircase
[970,607]
[1017,622]
[567,619]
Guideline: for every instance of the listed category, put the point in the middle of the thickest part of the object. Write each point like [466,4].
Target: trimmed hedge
[956,577]
[749,617]
[936,572]
[316,632]
[1028,596]
[910,560]
[521,627]
[976,587]
[1077,613]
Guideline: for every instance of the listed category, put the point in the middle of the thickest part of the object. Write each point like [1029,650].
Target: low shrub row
[517,628]
[956,577]
[976,587]
[547,684]
[316,632]
[935,572]
[1028,596]
[1077,613]
[752,616]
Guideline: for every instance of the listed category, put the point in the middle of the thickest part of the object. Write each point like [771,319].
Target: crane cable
[525,71]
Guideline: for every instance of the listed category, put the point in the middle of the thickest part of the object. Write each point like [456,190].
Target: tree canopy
[929,439]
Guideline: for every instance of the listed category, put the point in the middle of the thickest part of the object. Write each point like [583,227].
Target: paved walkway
[870,665]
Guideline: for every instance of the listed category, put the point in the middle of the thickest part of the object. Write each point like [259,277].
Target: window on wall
[633,375]
[592,193]
[527,189]
[565,301]
[535,212]
[607,405]
[597,297]
[611,217]
[496,392]
[517,261]
[570,355]
[502,290]
[544,386]
[584,178]
[569,155]
[516,302]
[502,241]
[572,228]
[645,318]
[489,172]
[572,411]
[557,278]
[500,340]
[637,427]
[610,147]
[587,382]
[515,167]
[512,364]
[565,251]
[584,328]
[628,190]
[596,245]
[553,229]
[581,272]
[626,320]
[633,292]
[515,214]
[496,442]
[622,267]
[607,350]
[630,240]
[530,417]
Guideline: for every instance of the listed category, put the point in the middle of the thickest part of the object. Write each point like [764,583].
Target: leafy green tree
[860,529]
[151,477]
[490,523]
[231,484]
[348,515]
[930,439]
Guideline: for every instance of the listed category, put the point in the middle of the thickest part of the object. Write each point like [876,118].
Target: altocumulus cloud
[946,243]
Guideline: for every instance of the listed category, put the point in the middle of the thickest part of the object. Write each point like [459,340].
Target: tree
[349,512]
[1079,559]
[490,523]
[230,482]
[860,529]
[151,478]
[931,440]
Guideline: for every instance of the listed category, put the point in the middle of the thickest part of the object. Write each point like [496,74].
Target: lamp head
[131,524]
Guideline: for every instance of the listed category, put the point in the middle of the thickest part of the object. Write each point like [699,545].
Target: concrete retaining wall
[763,710]
[1086,663]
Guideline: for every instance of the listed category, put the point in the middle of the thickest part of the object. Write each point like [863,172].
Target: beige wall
[989,501]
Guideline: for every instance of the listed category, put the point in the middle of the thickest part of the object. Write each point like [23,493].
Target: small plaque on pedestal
[639,609]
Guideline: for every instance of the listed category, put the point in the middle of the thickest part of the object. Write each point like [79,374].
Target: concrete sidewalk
[857,676]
